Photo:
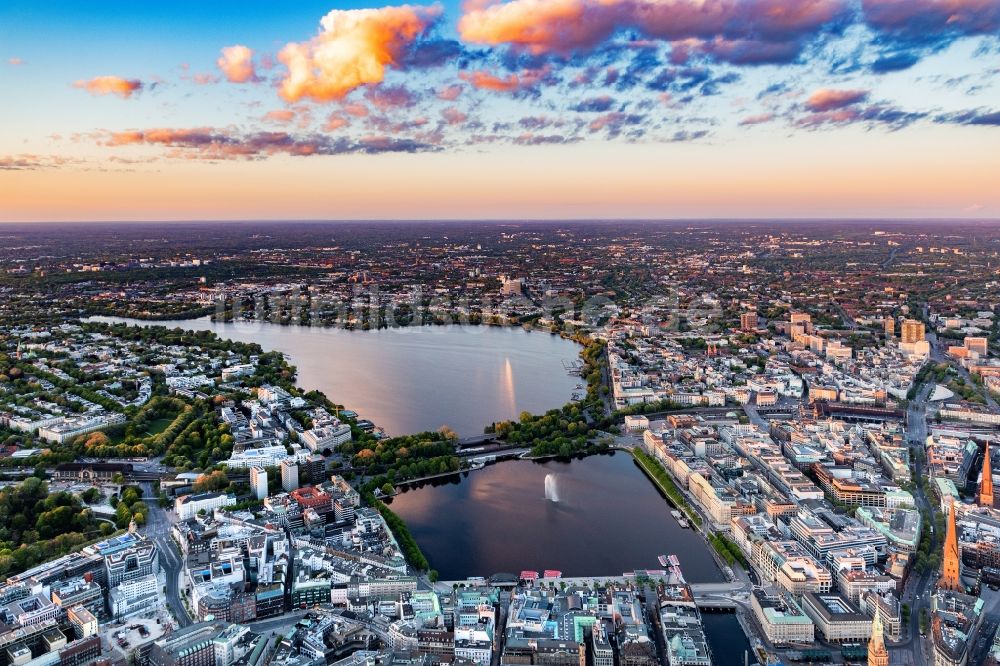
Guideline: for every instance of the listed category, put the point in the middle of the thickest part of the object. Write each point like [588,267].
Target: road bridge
[707,595]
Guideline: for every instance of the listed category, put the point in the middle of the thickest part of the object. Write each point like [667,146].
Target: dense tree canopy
[36,525]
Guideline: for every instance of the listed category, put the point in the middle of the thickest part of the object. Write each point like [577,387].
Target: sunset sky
[509,109]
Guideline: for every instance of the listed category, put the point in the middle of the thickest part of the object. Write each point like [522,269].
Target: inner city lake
[593,516]
[418,378]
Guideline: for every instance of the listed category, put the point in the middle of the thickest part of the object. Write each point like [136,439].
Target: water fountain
[551,492]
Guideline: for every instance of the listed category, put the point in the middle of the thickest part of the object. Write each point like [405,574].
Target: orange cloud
[124,138]
[207,143]
[15,61]
[539,26]
[354,48]
[165,136]
[280,116]
[486,81]
[749,31]
[335,122]
[510,83]
[828,99]
[110,85]
[236,63]
[356,109]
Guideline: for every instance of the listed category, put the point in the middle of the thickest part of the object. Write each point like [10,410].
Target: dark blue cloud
[712,86]
[433,53]
[689,80]
[615,122]
[644,62]
[543,139]
[971,117]
[895,62]
[890,116]
[773,89]
[687,135]
[594,105]
[907,31]
[679,79]
[534,122]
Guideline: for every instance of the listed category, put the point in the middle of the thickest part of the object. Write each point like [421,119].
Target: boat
[683,523]
[663,560]
[676,514]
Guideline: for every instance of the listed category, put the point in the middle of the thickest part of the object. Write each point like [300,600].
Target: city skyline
[538,109]
[481,443]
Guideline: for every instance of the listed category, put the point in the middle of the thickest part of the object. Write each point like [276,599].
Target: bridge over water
[706,595]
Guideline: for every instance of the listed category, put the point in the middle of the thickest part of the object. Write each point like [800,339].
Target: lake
[596,516]
[417,378]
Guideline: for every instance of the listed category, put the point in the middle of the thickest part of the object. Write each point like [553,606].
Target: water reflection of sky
[609,519]
[507,386]
[413,379]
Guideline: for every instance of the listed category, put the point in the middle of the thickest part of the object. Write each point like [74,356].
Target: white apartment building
[188,506]
[326,437]
[68,429]
[134,595]
[637,423]
[265,456]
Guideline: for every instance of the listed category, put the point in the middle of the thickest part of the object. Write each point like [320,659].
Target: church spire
[986,485]
[951,568]
[877,653]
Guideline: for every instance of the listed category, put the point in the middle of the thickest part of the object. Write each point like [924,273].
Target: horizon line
[509,220]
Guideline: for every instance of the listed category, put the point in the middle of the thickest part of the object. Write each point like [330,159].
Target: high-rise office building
[258,482]
[748,321]
[315,469]
[289,475]
[889,324]
[913,331]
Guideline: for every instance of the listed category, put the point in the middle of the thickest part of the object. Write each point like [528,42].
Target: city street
[158,526]
[918,589]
